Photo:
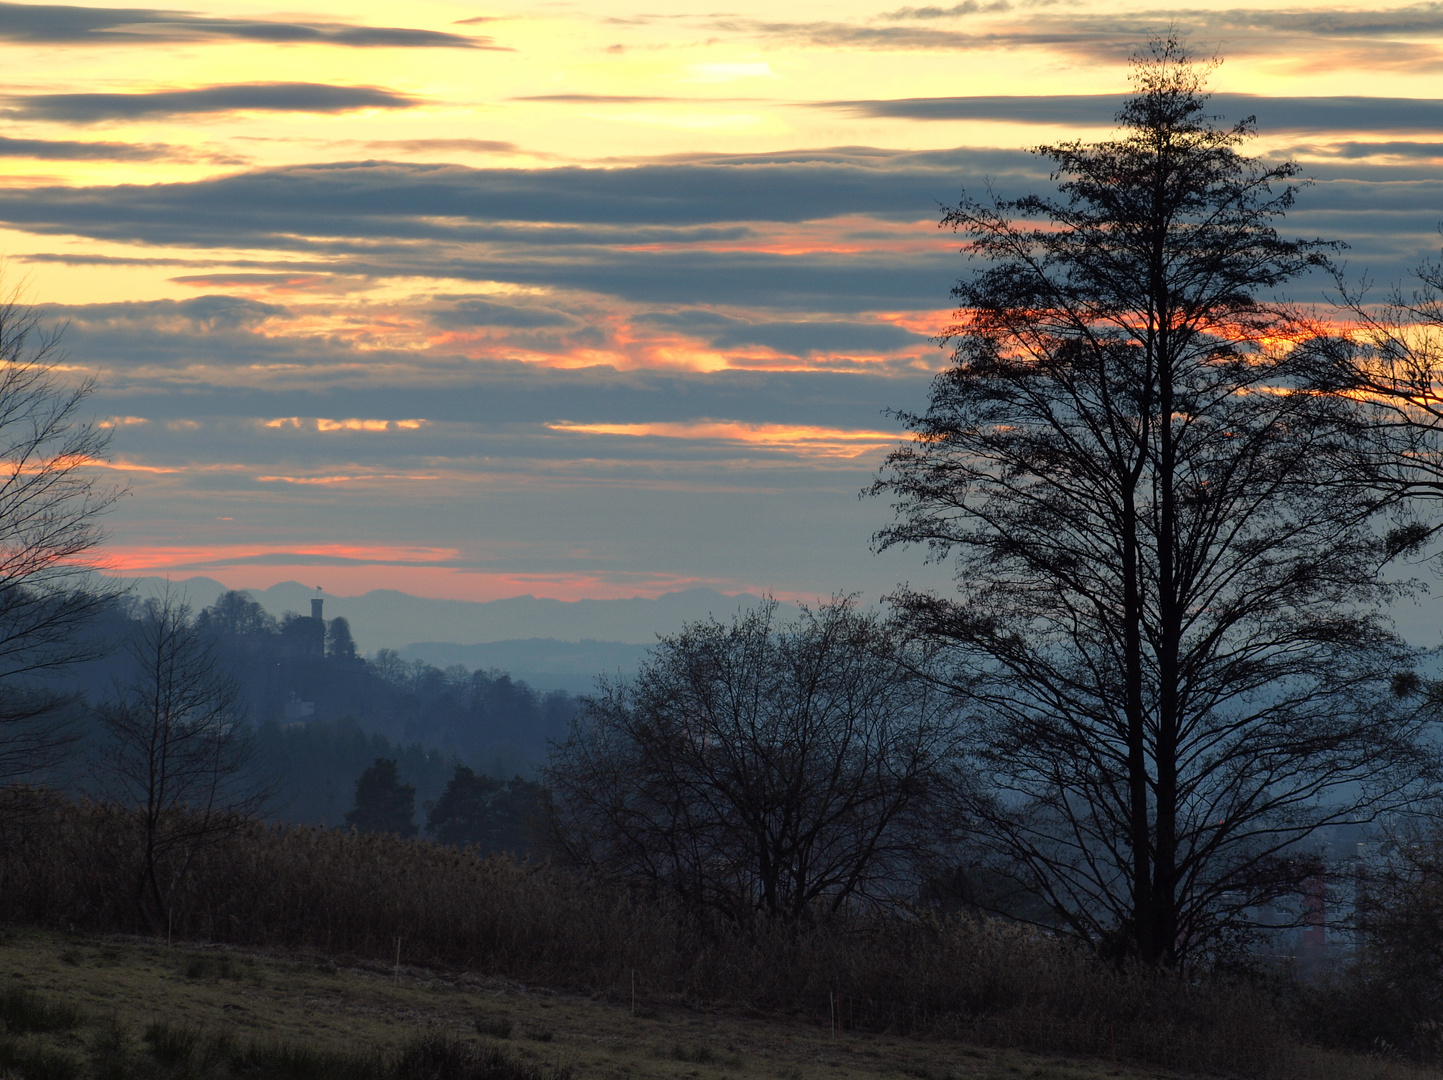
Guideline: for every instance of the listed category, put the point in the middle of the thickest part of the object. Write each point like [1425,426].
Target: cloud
[967,7]
[476,313]
[1077,109]
[1391,149]
[294,282]
[802,440]
[1326,114]
[203,313]
[60,150]
[628,271]
[515,235]
[1331,37]
[791,338]
[800,232]
[426,146]
[90,258]
[64,24]
[1412,21]
[299,558]
[831,35]
[414,201]
[857,282]
[326,426]
[318,555]
[158,364]
[259,97]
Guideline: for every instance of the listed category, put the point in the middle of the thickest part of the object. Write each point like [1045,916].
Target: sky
[588,300]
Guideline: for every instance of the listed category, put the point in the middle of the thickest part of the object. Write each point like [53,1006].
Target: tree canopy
[491,815]
[762,767]
[383,803]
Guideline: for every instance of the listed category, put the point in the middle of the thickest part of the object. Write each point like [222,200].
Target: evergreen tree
[383,803]
[339,643]
[481,811]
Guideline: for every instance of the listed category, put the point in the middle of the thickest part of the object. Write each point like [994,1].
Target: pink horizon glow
[431,582]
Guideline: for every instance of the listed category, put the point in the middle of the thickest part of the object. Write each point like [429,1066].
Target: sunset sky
[588,299]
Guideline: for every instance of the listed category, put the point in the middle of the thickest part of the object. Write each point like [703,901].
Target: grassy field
[145,993]
[760,996]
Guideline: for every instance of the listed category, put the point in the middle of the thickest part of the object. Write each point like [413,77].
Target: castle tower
[316,603]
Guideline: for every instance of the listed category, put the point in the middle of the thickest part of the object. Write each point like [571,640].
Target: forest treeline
[319,714]
[484,719]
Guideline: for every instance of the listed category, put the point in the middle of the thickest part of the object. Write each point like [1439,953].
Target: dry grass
[75,1009]
[119,983]
[351,899]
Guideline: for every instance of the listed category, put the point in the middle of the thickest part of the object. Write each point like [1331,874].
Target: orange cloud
[343,479]
[804,440]
[121,465]
[150,558]
[321,423]
[919,322]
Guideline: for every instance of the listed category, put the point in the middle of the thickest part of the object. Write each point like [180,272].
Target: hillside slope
[138,987]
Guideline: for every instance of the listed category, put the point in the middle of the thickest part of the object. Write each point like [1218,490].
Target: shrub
[24,1012]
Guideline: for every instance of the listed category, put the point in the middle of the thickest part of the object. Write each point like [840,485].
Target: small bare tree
[179,752]
[760,767]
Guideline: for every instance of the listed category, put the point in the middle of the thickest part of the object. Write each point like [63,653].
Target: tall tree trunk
[1141,869]
[1163,921]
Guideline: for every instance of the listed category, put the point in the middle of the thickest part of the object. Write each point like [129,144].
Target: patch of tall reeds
[74,865]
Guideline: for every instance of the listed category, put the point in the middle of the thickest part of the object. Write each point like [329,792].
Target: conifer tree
[383,803]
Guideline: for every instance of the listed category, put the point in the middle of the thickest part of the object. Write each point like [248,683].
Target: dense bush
[348,894]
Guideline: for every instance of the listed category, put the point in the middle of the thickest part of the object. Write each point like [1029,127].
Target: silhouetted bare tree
[1389,358]
[1167,622]
[760,767]
[51,502]
[178,751]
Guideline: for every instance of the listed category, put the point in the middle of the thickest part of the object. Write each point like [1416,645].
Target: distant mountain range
[553,644]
